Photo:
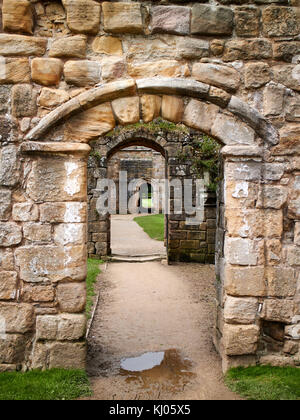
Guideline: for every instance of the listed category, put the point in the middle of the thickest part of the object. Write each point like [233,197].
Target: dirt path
[152,307]
[129,239]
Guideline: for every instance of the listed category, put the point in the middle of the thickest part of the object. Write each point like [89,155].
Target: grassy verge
[93,272]
[265,382]
[153,225]
[54,384]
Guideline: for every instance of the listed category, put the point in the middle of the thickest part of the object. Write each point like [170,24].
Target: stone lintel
[56,147]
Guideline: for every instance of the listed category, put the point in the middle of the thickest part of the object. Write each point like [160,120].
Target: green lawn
[54,384]
[153,225]
[265,382]
[93,272]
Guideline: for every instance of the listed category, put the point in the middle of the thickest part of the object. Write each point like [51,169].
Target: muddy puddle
[168,370]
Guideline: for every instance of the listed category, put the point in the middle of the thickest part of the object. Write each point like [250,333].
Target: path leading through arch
[164,314]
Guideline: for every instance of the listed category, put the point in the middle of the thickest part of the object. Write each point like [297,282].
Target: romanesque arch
[213,85]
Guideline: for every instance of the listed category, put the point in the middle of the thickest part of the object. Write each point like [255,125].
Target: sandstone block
[108,45]
[19,317]
[25,212]
[297,234]
[113,68]
[293,109]
[53,97]
[10,234]
[191,48]
[277,310]
[82,73]
[257,75]
[73,46]
[170,19]
[164,68]
[70,234]
[90,124]
[8,285]
[46,71]
[248,281]
[280,21]
[122,17]
[254,49]
[60,327]
[293,255]
[12,349]
[67,356]
[5,205]
[23,101]
[19,45]
[282,282]
[172,108]
[200,115]
[273,99]
[240,310]
[232,131]
[17,16]
[151,105]
[241,251]
[211,20]
[38,294]
[37,232]
[216,75]
[288,75]
[285,51]
[71,297]
[240,339]
[271,196]
[83,16]
[247,21]
[72,212]
[293,331]
[14,70]
[6,260]
[127,110]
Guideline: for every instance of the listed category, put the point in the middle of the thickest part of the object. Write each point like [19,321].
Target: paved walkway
[165,315]
[129,239]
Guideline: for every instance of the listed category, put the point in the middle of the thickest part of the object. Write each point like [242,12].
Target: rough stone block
[10,234]
[5,205]
[272,196]
[8,285]
[211,20]
[52,97]
[282,282]
[280,21]
[19,45]
[293,255]
[127,110]
[37,232]
[254,49]
[71,212]
[17,16]
[200,115]
[165,68]
[14,70]
[171,19]
[83,16]
[24,100]
[257,75]
[151,105]
[25,212]
[74,46]
[70,234]
[38,293]
[71,297]
[240,339]
[191,48]
[122,17]
[278,310]
[232,131]
[288,75]
[248,281]
[108,45]
[82,73]
[247,21]
[113,68]
[172,108]
[12,349]
[19,317]
[241,251]
[60,327]
[273,99]
[6,260]
[213,74]
[67,356]
[240,310]
[46,71]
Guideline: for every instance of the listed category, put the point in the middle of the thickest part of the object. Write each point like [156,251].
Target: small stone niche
[273,336]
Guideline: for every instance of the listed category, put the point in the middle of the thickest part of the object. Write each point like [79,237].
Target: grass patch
[54,384]
[93,268]
[265,382]
[153,225]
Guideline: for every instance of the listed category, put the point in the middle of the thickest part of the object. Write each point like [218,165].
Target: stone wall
[72,71]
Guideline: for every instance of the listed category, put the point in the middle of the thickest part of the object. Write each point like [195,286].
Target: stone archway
[249,272]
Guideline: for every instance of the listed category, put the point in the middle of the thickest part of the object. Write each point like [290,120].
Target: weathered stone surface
[285,51]
[277,310]
[297,234]
[200,115]
[254,49]
[151,105]
[41,263]
[19,45]
[53,97]
[219,96]
[257,75]
[25,212]
[191,48]
[231,131]
[17,16]
[60,327]
[164,68]
[37,232]
[74,46]
[19,317]
[293,255]
[68,356]
[5,204]
[240,339]
[247,21]
[38,293]
[288,75]
[172,108]
[108,45]
[6,260]
[12,349]
[122,17]
[221,76]
[280,21]
[282,282]
[293,109]
[46,71]
[10,234]
[90,124]
[272,196]
[217,47]
[14,70]
[241,251]
[24,101]
[4,98]
[171,19]
[113,68]
[82,73]
[71,297]
[70,234]
[8,285]
[240,310]
[293,331]
[248,281]
[72,212]
[273,99]
[127,110]
[212,20]
[83,16]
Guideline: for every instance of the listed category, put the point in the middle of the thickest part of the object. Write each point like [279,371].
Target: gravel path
[152,307]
